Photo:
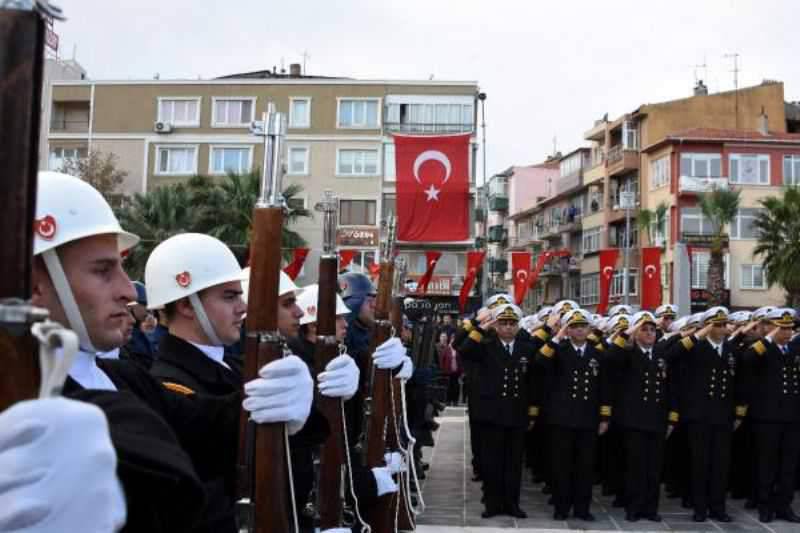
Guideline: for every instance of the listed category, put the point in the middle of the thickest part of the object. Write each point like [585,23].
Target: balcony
[496,234]
[525,240]
[702,239]
[691,185]
[432,128]
[576,224]
[621,160]
[496,265]
[498,203]
[69,126]
[70,117]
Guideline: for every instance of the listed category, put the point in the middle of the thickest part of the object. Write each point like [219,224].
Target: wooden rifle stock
[21,63]
[332,453]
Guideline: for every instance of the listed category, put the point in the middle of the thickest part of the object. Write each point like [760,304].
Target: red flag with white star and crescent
[474,262]
[651,277]
[521,269]
[608,261]
[432,257]
[432,187]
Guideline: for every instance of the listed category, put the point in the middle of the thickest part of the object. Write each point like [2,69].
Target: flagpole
[485,196]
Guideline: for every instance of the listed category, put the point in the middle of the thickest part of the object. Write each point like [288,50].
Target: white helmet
[285,286]
[69,209]
[308,301]
[184,265]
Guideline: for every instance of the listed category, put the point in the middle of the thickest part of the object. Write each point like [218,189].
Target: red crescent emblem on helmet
[311,310]
[45,227]
[184,279]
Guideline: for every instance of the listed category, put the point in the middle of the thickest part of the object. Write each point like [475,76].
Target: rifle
[381,516]
[331,480]
[22,34]
[263,476]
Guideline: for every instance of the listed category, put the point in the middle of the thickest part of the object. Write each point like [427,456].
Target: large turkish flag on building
[432,187]
[651,278]
[608,260]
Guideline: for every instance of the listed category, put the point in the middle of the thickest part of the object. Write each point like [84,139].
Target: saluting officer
[665,315]
[504,405]
[707,388]
[775,411]
[576,409]
[641,412]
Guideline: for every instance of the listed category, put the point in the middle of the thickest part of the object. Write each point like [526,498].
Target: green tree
[652,222]
[719,206]
[778,227]
[100,170]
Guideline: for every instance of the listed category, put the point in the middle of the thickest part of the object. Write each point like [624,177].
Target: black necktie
[508,349]
[580,353]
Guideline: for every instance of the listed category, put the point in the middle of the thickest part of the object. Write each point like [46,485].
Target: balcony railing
[70,126]
[428,127]
[693,185]
[621,159]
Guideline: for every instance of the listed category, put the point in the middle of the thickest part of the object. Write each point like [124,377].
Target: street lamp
[485,194]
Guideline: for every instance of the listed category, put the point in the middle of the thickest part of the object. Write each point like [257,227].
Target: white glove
[337,530]
[384,481]
[389,354]
[407,369]
[395,462]
[340,378]
[58,469]
[282,393]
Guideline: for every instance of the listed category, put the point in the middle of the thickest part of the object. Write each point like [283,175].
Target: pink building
[529,184]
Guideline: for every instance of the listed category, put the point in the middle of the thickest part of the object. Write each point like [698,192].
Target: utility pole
[735,71]
[627,200]
[484,197]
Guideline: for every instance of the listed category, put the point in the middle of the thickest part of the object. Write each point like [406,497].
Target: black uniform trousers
[676,463]
[501,454]
[572,454]
[710,458]
[613,461]
[644,459]
[777,449]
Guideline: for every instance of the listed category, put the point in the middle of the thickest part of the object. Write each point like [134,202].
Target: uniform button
[647,374]
[646,390]
[647,381]
[713,378]
[644,398]
[585,397]
[573,396]
[723,395]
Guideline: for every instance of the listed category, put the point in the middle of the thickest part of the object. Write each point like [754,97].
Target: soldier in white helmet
[78,276]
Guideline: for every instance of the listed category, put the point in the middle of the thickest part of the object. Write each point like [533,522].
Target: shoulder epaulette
[673,417]
[475,335]
[759,347]
[542,334]
[599,347]
[467,325]
[177,387]
[547,351]
[605,410]
[741,411]
[620,341]
[592,338]
[533,410]
[687,342]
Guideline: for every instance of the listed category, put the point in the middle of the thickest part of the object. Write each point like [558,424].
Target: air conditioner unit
[162,127]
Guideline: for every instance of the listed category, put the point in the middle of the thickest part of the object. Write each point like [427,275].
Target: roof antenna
[306,57]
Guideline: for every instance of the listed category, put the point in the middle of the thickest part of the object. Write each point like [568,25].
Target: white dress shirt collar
[215,353]
[85,371]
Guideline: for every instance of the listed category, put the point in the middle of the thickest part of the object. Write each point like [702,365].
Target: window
[389,206]
[749,169]
[699,266]
[298,160]
[296,203]
[694,222]
[357,212]
[630,135]
[176,160]
[179,111]
[791,170]
[659,172]
[591,240]
[627,184]
[660,236]
[752,277]
[571,165]
[742,226]
[59,156]
[701,165]
[300,113]
[362,261]
[429,118]
[233,112]
[389,168]
[358,113]
[590,289]
[617,236]
[357,163]
[617,282]
[234,159]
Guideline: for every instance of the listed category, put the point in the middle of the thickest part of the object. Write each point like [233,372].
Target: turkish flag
[345,258]
[432,187]
[299,257]
[542,260]
[651,278]
[521,270]
[474,262]
[608,260]
[431,258]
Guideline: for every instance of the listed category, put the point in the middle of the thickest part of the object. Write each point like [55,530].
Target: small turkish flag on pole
[474,262]
[432,187]
[651,277]
[608,260]
[540,261]
[293,269]
[521,270]
[431,259]
[345,258]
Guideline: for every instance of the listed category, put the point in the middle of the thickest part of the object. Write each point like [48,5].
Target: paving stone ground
[452,500]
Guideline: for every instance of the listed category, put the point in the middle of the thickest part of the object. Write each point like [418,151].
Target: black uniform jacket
[181,363]
[643,388]
[504,389]
[775,383]
[706,381]
[577,388]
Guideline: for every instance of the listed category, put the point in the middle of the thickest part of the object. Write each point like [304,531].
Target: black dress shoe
[764,516]
[788,515]
[489,514]
[721,516]
[559,516]
[631,517]
[516,512]
[699,516]
[654,517]
[586,517]
[750,504]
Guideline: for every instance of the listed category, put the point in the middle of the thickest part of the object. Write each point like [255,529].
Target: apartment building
[339,138]
[648,156]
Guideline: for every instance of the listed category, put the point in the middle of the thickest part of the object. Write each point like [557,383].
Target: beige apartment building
[339,138]
[666,153]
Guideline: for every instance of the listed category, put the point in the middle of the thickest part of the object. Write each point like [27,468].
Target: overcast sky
[549,68]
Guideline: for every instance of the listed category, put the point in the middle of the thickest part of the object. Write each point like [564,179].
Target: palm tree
[778,226]
[720,207]
[155,217]
[652,222]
